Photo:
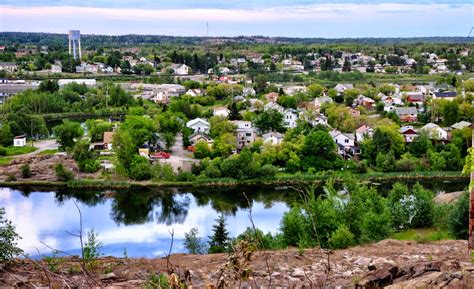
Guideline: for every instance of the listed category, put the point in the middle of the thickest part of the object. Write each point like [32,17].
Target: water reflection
[139,220]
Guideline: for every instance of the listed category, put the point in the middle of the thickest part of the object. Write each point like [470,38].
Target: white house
[409,133]
[341,87]
[274,106]
[273,138]
[56,68]
[435,131]
[198,124]
[245,134]
[221,111]
[195,92]
[19,141]
[363,132]
[180,69]
[248,91]
[345,142]
[290,116]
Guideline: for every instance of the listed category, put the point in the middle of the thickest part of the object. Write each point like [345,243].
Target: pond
[140,221]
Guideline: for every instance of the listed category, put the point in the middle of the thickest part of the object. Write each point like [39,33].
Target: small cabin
[19,141]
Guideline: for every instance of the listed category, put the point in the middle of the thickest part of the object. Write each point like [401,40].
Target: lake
[139,221]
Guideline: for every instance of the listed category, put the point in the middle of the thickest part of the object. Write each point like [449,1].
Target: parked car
[161,155]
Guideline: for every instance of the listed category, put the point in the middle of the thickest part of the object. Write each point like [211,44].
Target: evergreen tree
[220,239]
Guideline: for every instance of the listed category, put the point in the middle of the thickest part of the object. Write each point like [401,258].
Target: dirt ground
[396,264]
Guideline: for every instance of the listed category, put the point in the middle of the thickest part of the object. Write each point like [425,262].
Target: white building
[245,134]
[290,116]
[273,138]
[435,131]
[199,124]
[19,141]
[180,69]
[88,82]
[221,111]
[56,68]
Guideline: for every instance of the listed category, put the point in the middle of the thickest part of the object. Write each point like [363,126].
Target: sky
[300,18]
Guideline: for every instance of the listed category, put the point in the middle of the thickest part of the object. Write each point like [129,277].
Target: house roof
[461,125]
[20,136]
[201,134]
[445,94]
[363,128]
[196,120]
[430,126]
[272,134]
[220,108]
[406,129]
[406,110]
[108,136]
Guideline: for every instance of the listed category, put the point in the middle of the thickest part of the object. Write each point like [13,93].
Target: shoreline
[284,180]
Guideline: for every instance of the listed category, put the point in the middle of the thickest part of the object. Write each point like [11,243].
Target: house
[415,97]
[272,96]
[195,92]
[273,138]
[345,143]
[290,116]
[291,90]
[8,66]
[274,106]
[199,125]
[364,101]
[108,139]
[448,95]
[435,132]
[245,134]
[248,91]
[87,68]
[180,69]
[363,132]
[19,141]
[221,111]
[408,133]
[56,68]
[198,136]
[224,70]
[391,99]
[461,125]
[407,114]
[319,101]
[341,87]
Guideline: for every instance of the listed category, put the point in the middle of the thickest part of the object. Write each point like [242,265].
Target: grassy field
[13,151]
[424,235]
[49,152]
[5,161]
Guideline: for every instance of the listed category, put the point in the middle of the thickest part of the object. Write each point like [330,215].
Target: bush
[341,238]
[25,171]
[162,172]
[3,151]
[63,174]
[293,226]
[458,219]
[140,169]
[185,177]
[268,171]
[193,243]
[91,166]
[8,239]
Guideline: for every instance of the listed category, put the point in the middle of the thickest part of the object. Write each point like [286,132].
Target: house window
[248,134]
[346,140]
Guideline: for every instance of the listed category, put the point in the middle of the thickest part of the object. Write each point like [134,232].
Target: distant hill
[8,38]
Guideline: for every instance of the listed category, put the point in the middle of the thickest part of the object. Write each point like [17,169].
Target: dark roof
[445,94]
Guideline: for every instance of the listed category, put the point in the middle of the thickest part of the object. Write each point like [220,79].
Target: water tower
[75,43]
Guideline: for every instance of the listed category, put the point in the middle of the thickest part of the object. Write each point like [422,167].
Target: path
[49,144]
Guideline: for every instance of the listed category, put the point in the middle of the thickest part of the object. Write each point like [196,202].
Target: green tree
[458,219]
[270,120]
[66,133]
[219,241]
[6,135]
[125,149]
[315,90]
[319,152]
[97,127]
[8,239]
[48,86]
[193,243]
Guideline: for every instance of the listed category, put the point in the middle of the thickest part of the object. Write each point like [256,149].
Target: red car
[161,155]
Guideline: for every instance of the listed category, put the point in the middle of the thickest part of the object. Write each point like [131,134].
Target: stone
[298,272]
[108,276]
[379,278]
[362,261]
[425,281]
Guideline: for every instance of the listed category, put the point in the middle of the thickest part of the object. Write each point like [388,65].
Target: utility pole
[471,196]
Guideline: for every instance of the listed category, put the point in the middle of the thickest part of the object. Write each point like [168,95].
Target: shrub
[185,177]
[91,166]
[91,250]
[8,239]
[193,243]
[293,226]
[25,171]
[63,174]
[3,151]
[162,172]
[458,219]
[268,171]
[341,238]
[140,169]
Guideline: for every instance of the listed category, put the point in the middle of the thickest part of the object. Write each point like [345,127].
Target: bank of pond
[138,220]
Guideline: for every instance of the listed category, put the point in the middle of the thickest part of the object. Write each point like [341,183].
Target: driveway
[49,144]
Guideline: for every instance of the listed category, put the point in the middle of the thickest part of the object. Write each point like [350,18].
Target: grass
[13,151]
[5,161]
[49,152]
[424,235]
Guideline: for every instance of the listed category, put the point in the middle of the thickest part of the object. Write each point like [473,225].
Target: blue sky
[301,18]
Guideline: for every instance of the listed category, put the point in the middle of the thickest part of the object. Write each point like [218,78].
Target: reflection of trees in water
[132,207]
[89,198]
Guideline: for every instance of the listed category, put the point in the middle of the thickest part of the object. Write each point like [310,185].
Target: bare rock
[298,272]
[379,278]
[108,276]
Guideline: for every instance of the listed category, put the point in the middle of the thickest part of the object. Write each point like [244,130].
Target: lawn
[49,152]
[5,161]
[13,151]
[424,235]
